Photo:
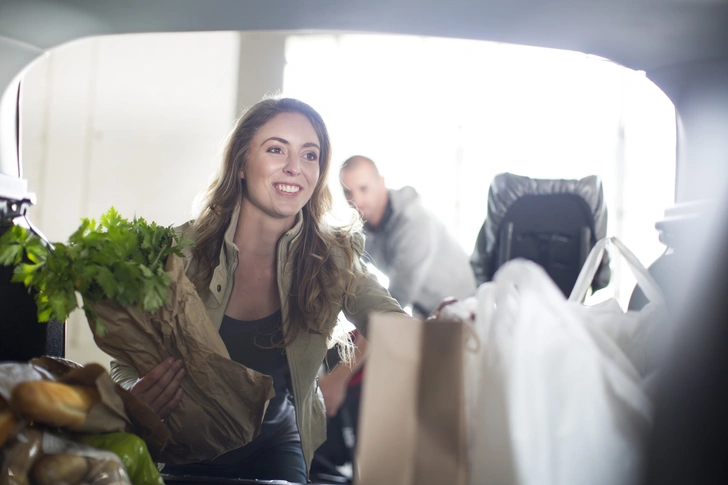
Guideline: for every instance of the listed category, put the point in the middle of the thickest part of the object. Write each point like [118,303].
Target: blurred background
[139,122]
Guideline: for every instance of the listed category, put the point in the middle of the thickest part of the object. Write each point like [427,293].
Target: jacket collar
[228,253]
[229,249]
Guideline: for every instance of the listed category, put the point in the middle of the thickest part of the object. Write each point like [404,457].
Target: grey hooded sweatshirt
[414,249]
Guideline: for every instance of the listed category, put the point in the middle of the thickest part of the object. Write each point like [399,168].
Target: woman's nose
[293,165]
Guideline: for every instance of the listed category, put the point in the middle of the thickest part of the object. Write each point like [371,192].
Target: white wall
[136,122]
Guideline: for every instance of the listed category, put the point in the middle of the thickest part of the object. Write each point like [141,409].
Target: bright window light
[445,116]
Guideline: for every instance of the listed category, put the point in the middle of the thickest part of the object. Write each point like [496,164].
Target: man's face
[365,190]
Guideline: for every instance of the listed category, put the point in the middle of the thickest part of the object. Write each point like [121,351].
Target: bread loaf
[7,423]
[54,403]
[63,468]
[19,455]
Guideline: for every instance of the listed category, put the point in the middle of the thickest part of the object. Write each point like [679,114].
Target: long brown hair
[317,285]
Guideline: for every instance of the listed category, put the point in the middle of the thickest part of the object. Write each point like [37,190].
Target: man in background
[406,242]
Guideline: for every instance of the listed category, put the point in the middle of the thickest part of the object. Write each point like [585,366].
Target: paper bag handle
[646,282]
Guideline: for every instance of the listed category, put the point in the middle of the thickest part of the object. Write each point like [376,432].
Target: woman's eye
[275,150]
[311,156]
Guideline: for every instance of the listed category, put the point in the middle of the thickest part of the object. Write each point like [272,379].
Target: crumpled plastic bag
[106,416]
[42,458]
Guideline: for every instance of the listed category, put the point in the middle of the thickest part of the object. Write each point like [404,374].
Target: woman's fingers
[147,382]
[170,391]
[159,388]
[167,409]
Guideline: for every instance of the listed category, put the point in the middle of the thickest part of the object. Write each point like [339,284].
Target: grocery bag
[640,334]
[224,402]
[559,400]
[412,419]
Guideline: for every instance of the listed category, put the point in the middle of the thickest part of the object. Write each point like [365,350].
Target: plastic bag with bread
[50,397]
[10,375]
[116,402]
[60,393]
[42,458]
[87,401]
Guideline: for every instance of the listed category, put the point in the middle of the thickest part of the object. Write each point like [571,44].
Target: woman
[274,277]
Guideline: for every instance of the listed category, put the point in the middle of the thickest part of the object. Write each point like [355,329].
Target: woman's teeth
[288,188]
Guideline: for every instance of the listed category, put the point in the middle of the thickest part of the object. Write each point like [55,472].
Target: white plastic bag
[559,398]
[640,334]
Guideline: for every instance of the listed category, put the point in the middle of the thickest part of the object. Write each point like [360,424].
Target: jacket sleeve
[413,250]
[123,374]
[367,296]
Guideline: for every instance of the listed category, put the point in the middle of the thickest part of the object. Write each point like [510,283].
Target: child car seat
[554,223]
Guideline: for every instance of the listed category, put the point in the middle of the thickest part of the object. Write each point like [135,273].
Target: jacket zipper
[291,362]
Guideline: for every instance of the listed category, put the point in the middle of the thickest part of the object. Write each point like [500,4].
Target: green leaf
[114,258]
[111,219]
[44,314]
[105,279]
[10,254]
[36,250]
[153,300]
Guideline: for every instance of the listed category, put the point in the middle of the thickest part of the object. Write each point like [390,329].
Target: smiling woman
[274,277]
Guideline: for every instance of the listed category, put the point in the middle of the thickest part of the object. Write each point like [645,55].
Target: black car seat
[554,223]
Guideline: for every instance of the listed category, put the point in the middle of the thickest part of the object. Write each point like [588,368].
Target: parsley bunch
[115,259]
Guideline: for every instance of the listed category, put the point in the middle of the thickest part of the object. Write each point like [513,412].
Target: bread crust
[7,424]
[54,403]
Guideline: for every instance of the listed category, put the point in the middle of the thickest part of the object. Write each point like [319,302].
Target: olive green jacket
[306,353]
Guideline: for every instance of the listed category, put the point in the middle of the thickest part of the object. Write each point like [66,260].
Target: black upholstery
[551,230]
[554,223]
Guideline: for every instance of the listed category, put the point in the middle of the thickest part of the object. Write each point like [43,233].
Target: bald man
[405,241]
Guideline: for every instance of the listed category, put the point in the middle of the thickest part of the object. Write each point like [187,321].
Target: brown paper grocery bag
[223,403]
[412,421]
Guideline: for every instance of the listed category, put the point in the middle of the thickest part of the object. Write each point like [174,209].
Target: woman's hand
[160,388]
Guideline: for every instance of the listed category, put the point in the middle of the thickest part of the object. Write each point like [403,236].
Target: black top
[253,344]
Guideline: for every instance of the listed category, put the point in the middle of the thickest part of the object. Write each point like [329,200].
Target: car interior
[680,45]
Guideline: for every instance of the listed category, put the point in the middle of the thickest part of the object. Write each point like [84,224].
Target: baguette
[54,403]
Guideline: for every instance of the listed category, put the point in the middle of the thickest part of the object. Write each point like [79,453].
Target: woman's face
[282,167]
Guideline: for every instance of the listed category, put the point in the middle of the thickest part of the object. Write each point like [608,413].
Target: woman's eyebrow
[285,142]
[275,138]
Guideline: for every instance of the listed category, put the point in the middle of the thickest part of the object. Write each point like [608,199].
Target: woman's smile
[287,190]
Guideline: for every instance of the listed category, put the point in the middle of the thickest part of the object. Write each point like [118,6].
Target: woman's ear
[242,174]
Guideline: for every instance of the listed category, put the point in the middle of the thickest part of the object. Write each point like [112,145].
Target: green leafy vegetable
[114,259]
